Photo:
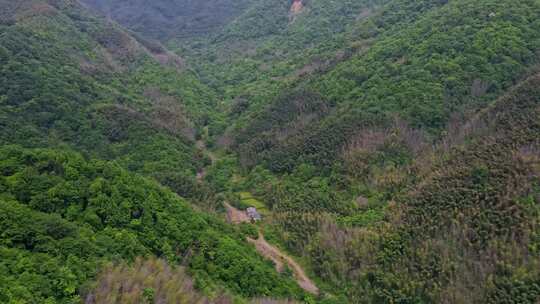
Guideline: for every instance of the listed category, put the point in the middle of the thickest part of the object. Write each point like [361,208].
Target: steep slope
[152,280]
[459,223]
[77,82]
[267,48]
[62,217]
[485,198]
[423,71]
[359,190]
[69,78]
[470,227]
[265,51]
[279,259]
[392,144]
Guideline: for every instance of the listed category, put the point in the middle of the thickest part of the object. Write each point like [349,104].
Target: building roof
[253,214]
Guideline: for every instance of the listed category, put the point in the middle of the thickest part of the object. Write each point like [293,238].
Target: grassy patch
[247,200]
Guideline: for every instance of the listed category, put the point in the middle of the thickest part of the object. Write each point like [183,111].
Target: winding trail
[279,259]
[272,253]
[264,248]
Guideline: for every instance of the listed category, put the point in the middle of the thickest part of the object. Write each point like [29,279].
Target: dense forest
[391,147]
[63,216]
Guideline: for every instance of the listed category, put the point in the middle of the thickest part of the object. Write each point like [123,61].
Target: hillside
[467,230]
[86,83]
[457,223]
[82,85]
[337,138]
[390,147]
[427,72]
[63,217]
[165,20]
[268,48]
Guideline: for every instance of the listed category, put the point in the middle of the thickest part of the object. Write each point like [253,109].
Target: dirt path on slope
[201,145]
[279,259]
[236,216]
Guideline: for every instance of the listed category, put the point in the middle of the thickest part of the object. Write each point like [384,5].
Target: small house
[253,214]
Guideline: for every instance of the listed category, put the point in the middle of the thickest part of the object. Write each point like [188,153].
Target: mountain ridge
[392,148]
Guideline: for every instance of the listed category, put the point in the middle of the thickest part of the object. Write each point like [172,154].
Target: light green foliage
[364,218]
[73,215]
[247,200]
[381,139]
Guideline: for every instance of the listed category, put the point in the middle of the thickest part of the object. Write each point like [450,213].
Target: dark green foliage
[381,138]
[458,55]
[167,20]
[219,176]
[513,290]
[439,66]
[465,230]
[264,50]
[483,179]
[69,78]
[304,191]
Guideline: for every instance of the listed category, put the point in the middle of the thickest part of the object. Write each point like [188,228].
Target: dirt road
[279,259]
[236,216]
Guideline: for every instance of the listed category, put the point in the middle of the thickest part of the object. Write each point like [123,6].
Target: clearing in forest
[272,253]
[248,200]
[236,216]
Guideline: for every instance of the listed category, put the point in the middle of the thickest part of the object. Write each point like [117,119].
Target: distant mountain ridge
[165,20]
[392,146]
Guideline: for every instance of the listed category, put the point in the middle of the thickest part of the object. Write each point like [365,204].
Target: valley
[284,151]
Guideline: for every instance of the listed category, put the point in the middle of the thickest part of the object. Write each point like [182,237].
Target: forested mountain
[392,148]
[424,71]
[75,82]
[71,79]
[62,217]
[179,19]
